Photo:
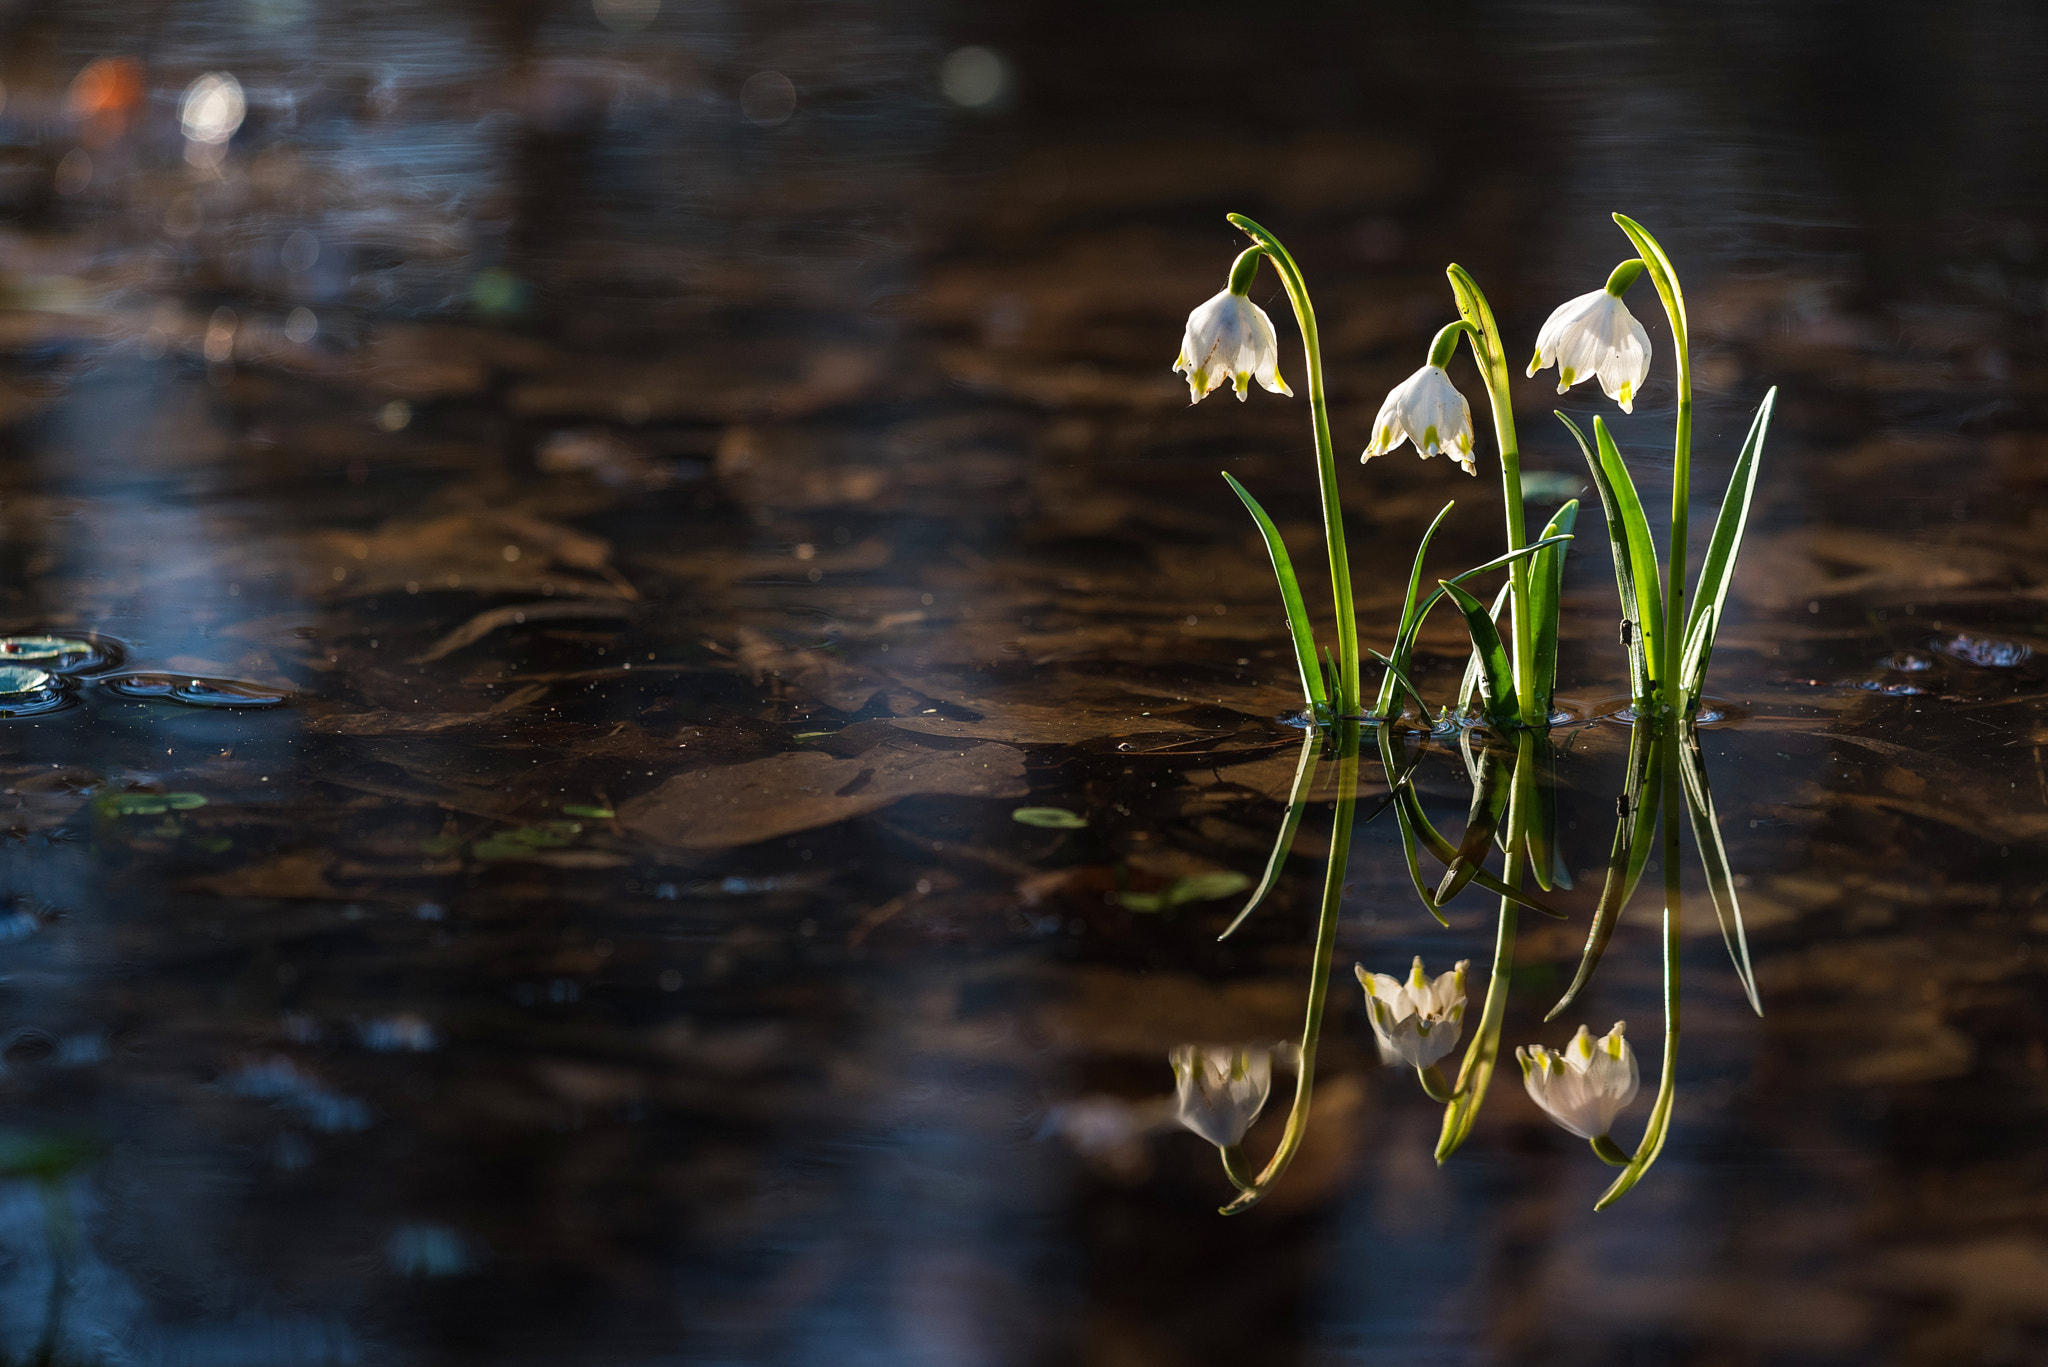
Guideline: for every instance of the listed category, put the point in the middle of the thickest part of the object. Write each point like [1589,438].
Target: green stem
[1673,297]
[1326,462]
[1434,1086]
[1493,369]
[1319,975]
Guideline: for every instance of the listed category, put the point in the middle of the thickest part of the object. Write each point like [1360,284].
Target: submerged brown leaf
[799,790]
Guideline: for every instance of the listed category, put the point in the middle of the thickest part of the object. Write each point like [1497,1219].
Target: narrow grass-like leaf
[1408,637]
[1496,672]
[1644,566]
[1706,833]
[1711,592]
[1546,590]
[1698,650]
[1400,676]
[1634,835]
[1471,682]
[1290,599]
[1624,572]
[1283,844]
[1401,661]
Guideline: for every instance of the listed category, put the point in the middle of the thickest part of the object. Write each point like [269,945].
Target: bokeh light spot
[768,98]
[974,77]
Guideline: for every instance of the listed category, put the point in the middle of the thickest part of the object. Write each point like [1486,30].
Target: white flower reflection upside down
[1587,1084]
[1417,1022]
[1222,1088]
[1595,335]
[1427,409]
[1229,340]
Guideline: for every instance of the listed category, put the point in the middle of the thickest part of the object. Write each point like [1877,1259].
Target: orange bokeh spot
[102,95]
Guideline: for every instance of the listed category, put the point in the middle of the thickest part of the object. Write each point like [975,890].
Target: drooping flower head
[1427,409]
[1222,1088]
[1419,1021]
[1596,335]
[1229,340]
[1587,1085]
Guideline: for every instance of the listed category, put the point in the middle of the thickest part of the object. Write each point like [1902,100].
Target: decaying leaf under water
[800,790]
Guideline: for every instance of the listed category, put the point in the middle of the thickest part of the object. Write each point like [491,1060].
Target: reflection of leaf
[1706,833]
[516,614]
[798,790]
[1049,818]
[522,842]
[587,812]
[44,1157]
[148,804]
[1199,887]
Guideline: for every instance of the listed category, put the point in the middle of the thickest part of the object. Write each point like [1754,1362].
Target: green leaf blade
[1718,569]
[1496,673]
[1290,598]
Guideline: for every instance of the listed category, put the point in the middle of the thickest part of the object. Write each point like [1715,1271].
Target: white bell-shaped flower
[1427,409]
[1222,1088]
[1229,340]
[1419,1021]
[1587,1085]
[1595,335]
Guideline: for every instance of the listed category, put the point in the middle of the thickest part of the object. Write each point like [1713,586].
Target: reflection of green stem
[1326,462]
[1319,978]
[1483,1053]
[1667,1082]
[62,1236]
[1297,803]
[1493,369]
[1480,1056]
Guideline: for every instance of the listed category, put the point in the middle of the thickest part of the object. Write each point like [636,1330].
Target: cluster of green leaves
[1638,573]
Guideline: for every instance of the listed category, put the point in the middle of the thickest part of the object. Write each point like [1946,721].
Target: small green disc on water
[1049,818]
[18,679]
[42,647]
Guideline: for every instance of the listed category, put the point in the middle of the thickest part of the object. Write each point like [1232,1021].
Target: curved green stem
[1434,1085]
[1326,461]
[1607,1151]
[1493,369]
[1673,297]
[1234,1166]
[1667,1081]
[1319,977]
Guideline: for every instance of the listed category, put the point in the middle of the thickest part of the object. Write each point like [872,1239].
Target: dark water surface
[690,481]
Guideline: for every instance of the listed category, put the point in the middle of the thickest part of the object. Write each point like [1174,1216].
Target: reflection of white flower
[1223,1087]
[1427,409]
[1591,335]
[1419,1021]
[1230,340]
[1587,1085]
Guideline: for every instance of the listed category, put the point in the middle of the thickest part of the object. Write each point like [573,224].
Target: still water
[587,521]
